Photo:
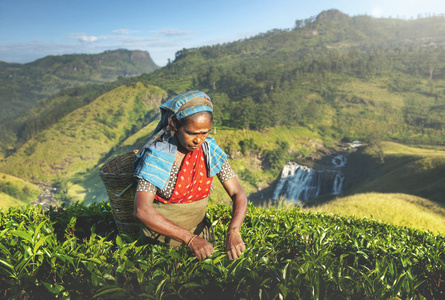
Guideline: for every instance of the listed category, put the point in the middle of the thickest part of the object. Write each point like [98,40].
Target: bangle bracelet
[233,231]
[188,244]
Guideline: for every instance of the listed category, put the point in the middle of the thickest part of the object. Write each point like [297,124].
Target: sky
[33,29]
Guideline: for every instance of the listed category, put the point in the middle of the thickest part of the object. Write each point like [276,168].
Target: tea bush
[75,253]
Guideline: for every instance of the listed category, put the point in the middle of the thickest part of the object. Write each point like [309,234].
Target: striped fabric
[154,166]
[175,103]
[192,110]
[215,156]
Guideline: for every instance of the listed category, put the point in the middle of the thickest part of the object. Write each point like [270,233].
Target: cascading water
[338,183]
[301,183]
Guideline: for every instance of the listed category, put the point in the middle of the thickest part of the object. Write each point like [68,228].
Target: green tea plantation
[75,253]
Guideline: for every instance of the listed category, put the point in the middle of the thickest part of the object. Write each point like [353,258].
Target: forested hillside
[340,75]
[84,137]
[23,86]
[278,96]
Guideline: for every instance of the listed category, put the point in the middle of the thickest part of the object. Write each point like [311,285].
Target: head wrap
[183,105]
[155,159]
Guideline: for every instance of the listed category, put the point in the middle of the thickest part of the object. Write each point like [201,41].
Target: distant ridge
[113,63]
[22,86]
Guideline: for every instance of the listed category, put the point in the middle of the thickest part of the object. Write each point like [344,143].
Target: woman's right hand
[201,248]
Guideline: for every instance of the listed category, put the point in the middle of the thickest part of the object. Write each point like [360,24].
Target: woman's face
[194,132]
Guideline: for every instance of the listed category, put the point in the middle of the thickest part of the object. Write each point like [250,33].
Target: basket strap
[125,190]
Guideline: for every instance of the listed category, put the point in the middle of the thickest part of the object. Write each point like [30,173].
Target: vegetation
[338,75]
[394,168]
[23,86]
[16,192]
[75,253]
[405,210]
[85,137]
[281,95]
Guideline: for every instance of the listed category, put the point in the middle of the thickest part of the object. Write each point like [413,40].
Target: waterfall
[338,183]
[301,183]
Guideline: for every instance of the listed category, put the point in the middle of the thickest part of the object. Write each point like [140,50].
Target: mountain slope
[405,210]
[309,75]
[332,77]
[16,192]
[395,168]
[84,137]
[22,86]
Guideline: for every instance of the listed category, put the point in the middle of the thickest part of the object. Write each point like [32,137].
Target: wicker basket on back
[117,176]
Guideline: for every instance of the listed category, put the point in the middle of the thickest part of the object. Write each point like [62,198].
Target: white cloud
[83,38]
[124,31]
[171,32]
[88,39]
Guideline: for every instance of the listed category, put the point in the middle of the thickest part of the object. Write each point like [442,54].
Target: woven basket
[117,176]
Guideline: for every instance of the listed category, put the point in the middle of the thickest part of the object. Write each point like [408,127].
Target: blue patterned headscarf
[175,106]
[155,159]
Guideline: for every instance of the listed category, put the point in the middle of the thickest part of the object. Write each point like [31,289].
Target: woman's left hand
[234,245]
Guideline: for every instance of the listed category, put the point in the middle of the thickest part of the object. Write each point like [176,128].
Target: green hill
[83,138]
[52,110]
[23,86]
[395,168]
[16,192]
[396,209]
[338,75]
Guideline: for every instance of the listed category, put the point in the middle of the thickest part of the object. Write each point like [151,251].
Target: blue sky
[32,29]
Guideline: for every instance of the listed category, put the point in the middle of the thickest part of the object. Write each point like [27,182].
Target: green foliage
[406,210]
[248,145]
[25,86]
[308,76]
[79,141]
[290,255]
[54,108]
[275,158]
[394,168]
[13,190]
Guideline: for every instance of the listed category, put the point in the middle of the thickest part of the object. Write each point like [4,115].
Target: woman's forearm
[239,210]
[239,200]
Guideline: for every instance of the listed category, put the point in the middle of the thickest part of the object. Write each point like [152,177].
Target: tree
[244,113]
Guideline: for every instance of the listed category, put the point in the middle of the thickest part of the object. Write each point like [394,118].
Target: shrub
[290,255]
[275,159]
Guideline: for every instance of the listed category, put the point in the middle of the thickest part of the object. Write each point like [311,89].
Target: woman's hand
[234,245]
[234,242]
[200,247]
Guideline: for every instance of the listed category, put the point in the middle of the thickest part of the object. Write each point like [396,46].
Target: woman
[175,170]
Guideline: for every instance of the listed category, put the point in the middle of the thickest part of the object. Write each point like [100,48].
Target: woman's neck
[180,154]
